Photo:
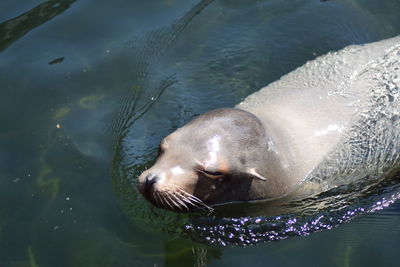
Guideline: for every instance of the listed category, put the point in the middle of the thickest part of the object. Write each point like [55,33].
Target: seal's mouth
[174,199]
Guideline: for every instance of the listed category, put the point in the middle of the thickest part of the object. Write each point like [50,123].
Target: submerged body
[332,120]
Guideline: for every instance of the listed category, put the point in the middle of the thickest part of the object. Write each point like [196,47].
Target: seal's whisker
[160,199]
[204,205]
[170,203]
[163,201]
[194,199]
[179,201]
[191,203]
[173,202]
[166,201]
[191,197]
[156,198]
[186,199]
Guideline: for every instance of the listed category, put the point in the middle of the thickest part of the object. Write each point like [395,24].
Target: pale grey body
[314,110]
[315,122]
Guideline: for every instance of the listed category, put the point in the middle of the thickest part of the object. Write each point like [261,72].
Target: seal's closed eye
[211,174]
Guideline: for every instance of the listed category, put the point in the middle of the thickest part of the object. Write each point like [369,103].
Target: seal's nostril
[145,186]
[150,180]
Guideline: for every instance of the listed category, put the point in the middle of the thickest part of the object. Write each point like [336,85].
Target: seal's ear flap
[254,173]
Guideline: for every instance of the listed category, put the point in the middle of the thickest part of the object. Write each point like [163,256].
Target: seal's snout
[172,197]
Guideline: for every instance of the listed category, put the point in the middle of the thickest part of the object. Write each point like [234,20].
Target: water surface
[89,88]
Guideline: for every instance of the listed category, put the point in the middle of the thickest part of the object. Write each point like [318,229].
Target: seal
[285,134]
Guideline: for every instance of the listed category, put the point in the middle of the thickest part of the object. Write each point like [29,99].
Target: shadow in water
[15,28]
[179,251]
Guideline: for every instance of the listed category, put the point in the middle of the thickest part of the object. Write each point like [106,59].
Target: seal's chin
[175,199]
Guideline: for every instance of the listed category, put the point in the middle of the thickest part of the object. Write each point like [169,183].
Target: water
[89,88]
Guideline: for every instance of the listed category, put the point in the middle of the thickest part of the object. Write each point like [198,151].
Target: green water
[89,88]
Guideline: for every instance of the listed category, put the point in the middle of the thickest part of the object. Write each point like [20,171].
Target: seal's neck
[286,165]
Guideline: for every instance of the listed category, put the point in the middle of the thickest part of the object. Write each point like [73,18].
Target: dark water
[88,89]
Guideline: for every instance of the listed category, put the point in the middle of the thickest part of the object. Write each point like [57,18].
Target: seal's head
[216,158]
